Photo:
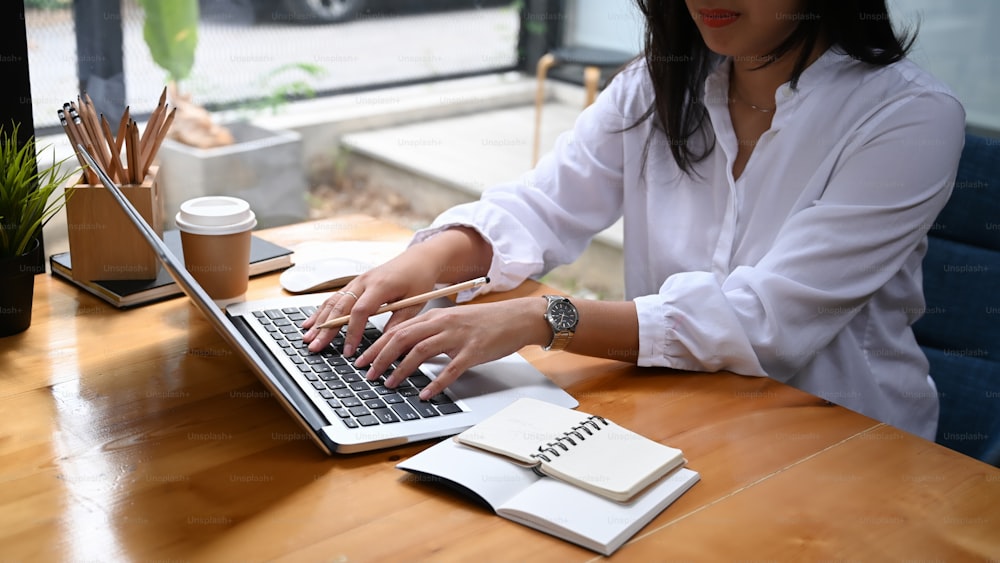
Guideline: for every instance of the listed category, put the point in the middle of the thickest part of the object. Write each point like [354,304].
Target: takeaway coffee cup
[215,238]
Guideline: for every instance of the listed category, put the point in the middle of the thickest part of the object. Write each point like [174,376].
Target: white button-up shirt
[806,269]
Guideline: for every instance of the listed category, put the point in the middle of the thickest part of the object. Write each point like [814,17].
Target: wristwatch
[562,316]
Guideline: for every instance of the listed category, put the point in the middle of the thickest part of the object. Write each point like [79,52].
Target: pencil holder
[103,242]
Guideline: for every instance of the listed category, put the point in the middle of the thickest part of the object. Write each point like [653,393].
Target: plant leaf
[26,196]
[171,33]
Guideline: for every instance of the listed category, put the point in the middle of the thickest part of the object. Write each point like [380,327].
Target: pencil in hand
[411,301]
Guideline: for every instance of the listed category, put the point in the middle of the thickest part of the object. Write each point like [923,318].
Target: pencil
[74,141]
[161,134]
[70,135]
[122,124]
[89,115]
[130,152]
[415,300]
[115,160]
[84,139]
[69,119]
[149,136]
[137,174]
[70,113]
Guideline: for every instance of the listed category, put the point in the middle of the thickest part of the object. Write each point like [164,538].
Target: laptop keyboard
[333,376]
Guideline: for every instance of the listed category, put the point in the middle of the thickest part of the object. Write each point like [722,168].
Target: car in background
[336,11]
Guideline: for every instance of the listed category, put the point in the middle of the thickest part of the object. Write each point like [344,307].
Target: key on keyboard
[356,401]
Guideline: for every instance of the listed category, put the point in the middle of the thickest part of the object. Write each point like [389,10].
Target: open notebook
[584,450]
[596,489]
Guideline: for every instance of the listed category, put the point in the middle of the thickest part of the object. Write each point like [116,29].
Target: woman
[777,164]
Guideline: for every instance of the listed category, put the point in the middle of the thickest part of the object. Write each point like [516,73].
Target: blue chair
[960,331]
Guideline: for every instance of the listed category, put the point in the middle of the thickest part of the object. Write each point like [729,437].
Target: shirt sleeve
[548,217]
[893,177]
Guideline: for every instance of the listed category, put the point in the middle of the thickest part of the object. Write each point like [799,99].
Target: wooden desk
[138,435]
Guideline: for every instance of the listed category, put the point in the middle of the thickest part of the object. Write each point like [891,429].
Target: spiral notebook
[594,462]
[584,450]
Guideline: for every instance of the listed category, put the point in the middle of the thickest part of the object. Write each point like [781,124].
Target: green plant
[282,85]
[28,198]
[170,30]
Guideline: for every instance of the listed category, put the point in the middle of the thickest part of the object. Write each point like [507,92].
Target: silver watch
[563,317]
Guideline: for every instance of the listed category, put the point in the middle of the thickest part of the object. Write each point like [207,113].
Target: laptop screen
[200,297]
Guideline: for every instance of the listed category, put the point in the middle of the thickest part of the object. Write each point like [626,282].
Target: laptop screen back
[190,286]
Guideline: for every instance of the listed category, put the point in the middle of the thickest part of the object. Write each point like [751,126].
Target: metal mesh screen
[250,50]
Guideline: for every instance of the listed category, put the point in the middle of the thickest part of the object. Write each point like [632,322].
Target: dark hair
[679,61]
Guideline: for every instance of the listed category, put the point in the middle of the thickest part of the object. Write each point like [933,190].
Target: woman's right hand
[404,276]
[453,255]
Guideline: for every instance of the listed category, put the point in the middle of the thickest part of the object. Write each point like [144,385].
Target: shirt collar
[785,98]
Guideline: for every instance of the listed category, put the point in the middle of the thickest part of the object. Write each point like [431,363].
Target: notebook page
[492,478]
[519,429]
[614,461]
[590,520]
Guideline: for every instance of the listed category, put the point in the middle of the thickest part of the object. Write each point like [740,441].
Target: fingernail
[425,394]
[348,350]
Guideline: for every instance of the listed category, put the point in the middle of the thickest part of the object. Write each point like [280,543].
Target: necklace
[734,95]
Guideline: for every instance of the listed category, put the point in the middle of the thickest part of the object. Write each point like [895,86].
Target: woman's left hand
[469,334]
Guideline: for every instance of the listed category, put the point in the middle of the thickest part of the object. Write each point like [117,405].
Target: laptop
[331,400]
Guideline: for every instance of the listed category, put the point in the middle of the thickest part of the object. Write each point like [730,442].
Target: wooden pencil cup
[103,242]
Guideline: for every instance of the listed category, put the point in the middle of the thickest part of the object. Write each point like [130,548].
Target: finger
[398,317]
[315,317]
[402,315]
[388,349]
[319,317]
[320,337]
[366,359]
[416,354]
[456,367]
[366,306]
[361,310]
[407,335]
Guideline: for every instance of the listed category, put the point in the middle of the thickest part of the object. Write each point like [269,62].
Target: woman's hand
[453,255]
[470,335]
[404,276]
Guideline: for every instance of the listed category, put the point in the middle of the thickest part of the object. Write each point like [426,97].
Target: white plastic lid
[215,215]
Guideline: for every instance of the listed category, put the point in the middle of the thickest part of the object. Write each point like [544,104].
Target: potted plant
[200,157]
[28,199]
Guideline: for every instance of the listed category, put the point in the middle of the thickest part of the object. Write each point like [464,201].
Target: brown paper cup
[215,238]
[219,263]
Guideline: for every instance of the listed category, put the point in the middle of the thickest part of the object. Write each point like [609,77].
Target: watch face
[562,315]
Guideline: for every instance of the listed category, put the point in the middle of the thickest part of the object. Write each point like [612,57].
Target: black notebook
[264,257]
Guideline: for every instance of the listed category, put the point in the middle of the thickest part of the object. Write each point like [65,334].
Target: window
[251,51]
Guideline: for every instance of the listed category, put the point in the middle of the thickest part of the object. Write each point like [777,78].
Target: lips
[718,17]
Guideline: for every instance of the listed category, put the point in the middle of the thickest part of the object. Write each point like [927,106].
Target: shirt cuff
[690,325]
[658,341]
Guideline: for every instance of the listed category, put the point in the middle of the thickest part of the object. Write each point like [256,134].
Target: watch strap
[560,341]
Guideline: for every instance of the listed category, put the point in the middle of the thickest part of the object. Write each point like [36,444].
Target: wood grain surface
[138,435]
